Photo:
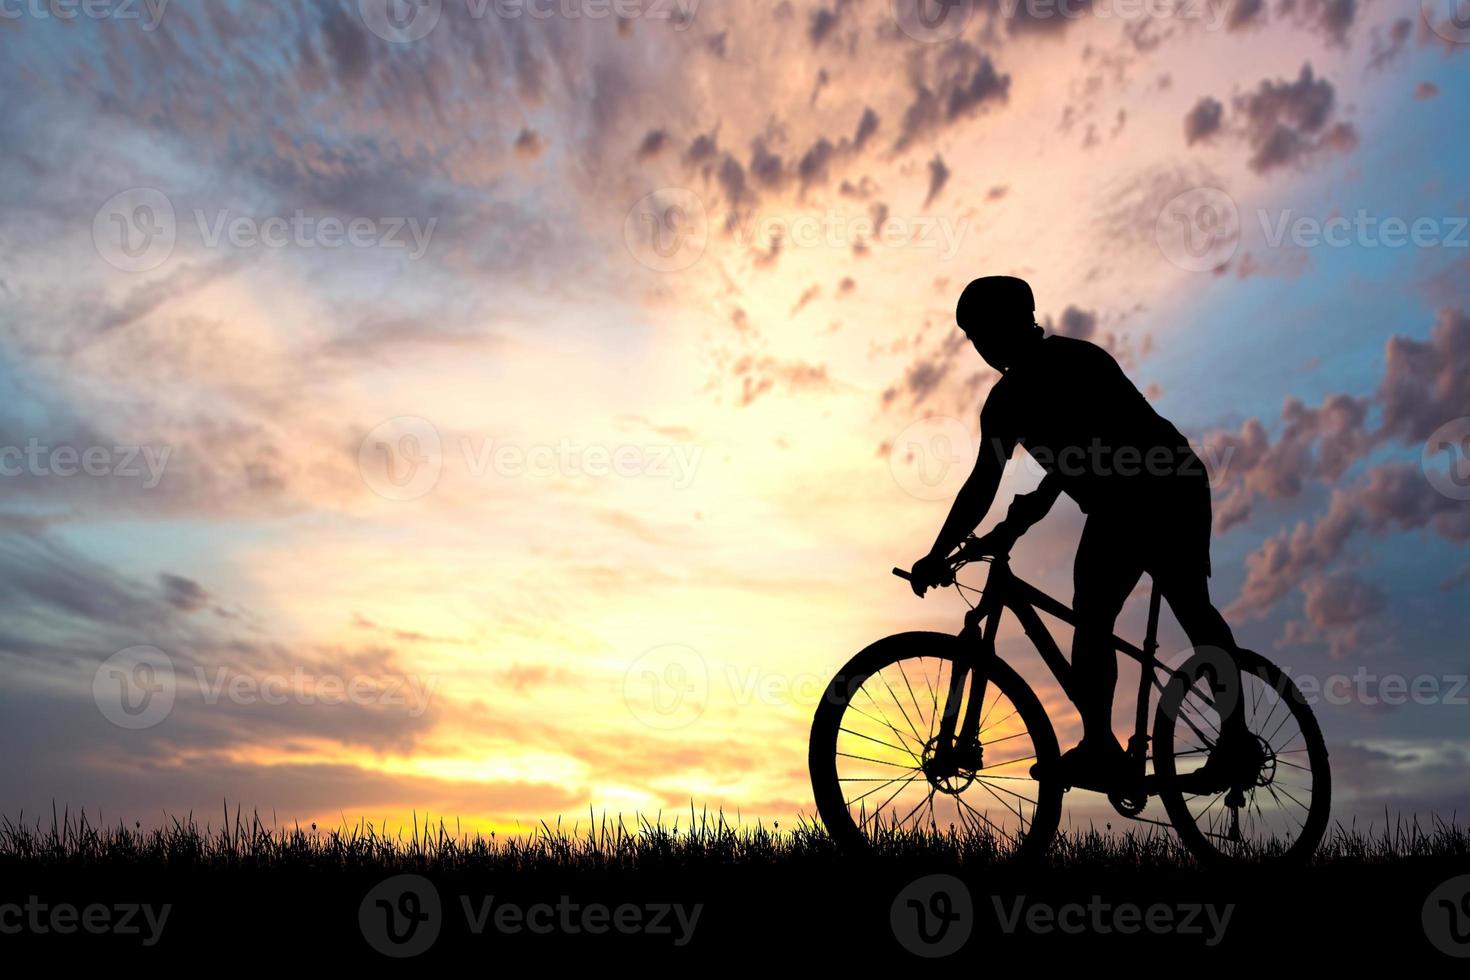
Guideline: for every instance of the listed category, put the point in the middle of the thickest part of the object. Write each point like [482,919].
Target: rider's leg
[1181,566]
[1207,631]
[1105,571]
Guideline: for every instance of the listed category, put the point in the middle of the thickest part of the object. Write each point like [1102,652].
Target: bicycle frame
[1004,591]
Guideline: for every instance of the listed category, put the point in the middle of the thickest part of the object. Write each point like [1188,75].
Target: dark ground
[743,900]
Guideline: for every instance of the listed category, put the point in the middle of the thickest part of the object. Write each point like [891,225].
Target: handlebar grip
[903,574]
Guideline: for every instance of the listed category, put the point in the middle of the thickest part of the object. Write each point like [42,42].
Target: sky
[505,411]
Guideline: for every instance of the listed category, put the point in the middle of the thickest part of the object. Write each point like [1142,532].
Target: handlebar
[971,549]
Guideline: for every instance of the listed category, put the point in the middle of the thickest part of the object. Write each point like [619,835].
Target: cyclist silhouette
[1144,491]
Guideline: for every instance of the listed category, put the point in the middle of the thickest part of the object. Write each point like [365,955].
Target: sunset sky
[515,412]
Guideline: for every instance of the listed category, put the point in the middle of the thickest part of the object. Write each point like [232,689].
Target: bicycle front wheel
[872,754]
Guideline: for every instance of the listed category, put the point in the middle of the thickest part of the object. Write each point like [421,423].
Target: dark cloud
[1314,444]
[653,144]
[1289,123]
[1077,323]
[1203,121]
[732,182]
[1391,497]
[867,126]
[184,594]
[1385,50]
[1426,383]
[1333,18]
[960,82]
[1246,13]
[767,170]
[938,177]
[1339,609]
[822,24]
[704,149]
[529,144]
[813,165]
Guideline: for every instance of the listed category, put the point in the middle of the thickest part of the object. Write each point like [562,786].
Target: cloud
[1387,50]
[1288,123]
[1245,14]
[654,143]
[958,82]
[759,376]
[1426,383]
[938,177]
[184,594]
[1076,322]
[1391,497]
[1203,121]
[1339,609]
[529,144]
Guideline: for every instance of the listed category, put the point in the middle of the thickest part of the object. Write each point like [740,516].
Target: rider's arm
[1028,508]
[975,497]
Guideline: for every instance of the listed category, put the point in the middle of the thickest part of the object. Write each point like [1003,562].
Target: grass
[702,842]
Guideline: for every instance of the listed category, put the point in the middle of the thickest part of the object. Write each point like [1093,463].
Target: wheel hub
[954,771]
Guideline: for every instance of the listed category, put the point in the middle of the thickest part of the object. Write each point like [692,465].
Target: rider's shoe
[1234,762]
[1095,764]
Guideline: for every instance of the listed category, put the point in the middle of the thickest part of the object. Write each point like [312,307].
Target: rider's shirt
[1077,414]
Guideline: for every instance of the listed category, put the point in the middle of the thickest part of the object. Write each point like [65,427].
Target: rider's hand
[929,571]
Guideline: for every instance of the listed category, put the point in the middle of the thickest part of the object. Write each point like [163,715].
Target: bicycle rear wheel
[872,753]
[1276,809]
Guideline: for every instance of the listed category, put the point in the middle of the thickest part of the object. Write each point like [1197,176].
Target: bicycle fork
[955,749]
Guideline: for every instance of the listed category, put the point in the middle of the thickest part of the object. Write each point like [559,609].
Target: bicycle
[881,739]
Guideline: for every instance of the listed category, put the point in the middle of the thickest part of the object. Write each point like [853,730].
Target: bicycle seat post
[1138,744]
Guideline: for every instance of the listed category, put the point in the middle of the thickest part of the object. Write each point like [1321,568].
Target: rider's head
[998,314]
